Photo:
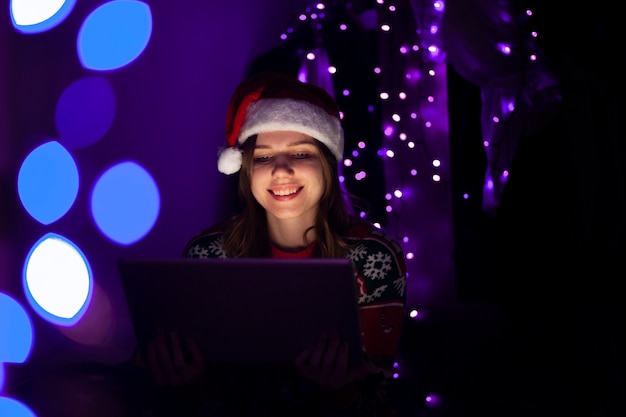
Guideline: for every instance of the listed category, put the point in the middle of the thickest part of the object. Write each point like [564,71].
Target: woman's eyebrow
[301,142]
[290,144]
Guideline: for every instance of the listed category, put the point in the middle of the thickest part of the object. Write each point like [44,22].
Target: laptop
[244,310]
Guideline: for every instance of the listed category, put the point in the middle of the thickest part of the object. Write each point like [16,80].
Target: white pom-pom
[229,160]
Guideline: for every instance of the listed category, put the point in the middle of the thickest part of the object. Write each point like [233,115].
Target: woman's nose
[282,165]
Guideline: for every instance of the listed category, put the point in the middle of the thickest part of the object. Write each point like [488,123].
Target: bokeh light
[47,182]
[36,16]
[114,35]
[16,330]
[85,112]
[125,203]
[57,280]
[10,407]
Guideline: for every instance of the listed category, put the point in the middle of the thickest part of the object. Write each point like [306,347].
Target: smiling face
[287,176]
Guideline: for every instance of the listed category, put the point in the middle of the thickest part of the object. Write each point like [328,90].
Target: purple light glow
[510,106]
[85,112]
[504,48]
[432,400]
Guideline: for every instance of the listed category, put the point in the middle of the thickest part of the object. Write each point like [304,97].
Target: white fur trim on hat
[229,160]
[274,114]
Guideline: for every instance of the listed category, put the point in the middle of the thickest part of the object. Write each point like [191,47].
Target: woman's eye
[301,155]
[261,159]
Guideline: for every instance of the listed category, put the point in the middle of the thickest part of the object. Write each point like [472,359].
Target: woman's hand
[171,362]
[326,364]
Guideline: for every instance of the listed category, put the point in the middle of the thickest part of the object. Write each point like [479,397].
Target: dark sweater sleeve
[380,271]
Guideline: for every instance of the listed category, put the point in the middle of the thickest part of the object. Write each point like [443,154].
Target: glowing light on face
[287,176]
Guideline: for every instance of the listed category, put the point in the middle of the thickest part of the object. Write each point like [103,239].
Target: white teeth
[285,192]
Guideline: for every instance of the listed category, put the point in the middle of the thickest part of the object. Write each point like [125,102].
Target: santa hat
[268,102]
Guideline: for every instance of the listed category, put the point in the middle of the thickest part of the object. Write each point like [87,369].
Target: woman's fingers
[176,351]
[193,365]
[341,357]
[317,354]
[194,352]
[154,363]
[330,352]
[304,357]
[168,362]
[326,363]
[334,372]
[165,357]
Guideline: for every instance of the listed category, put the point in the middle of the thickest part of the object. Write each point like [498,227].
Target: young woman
[285,140]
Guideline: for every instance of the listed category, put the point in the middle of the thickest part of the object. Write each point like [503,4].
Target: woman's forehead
[283,139]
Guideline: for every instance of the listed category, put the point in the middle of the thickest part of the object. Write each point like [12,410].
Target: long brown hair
[247,236]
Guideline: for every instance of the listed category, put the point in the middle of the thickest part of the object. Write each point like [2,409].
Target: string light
[413,148]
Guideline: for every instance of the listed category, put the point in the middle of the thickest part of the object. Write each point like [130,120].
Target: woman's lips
[285,192]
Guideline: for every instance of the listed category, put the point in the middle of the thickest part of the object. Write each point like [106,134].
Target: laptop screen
[245,310]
